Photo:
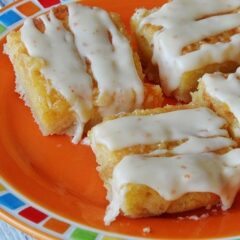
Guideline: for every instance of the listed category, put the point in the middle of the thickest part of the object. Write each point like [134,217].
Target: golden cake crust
[188,82]
[50,109]
[149,203]
[202,98]
[108,159]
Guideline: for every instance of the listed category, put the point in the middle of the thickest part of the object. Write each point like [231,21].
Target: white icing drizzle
[64,68]
[205,172]
[197,145]
[65,53]
[226,90]
[181,27]
[164,127]
[111,61]
[180,12]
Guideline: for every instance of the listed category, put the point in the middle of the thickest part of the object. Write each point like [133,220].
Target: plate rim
[21,225]
[35,231]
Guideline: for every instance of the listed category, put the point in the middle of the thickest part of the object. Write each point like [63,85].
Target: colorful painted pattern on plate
[42,220]
[13,15]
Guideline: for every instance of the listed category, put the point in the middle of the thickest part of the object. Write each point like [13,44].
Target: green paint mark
[80,234]
[2,28]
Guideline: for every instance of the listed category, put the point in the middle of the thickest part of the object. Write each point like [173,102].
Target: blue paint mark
[10,17]
[10,201]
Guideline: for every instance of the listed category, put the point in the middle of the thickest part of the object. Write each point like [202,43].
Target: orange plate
[61,178]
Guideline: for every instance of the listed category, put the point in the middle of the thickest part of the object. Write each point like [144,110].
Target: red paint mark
[48,3]
[33,215]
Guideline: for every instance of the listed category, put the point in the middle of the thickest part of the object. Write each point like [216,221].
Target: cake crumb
[86,141]
[194,217]
[146,230]
[59,145]
[205,215]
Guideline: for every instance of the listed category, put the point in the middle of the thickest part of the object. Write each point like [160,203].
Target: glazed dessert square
[221,92]
[143,185]
[75,65]
[184,39]
[171,130]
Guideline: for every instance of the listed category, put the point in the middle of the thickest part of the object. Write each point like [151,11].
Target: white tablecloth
[9,233]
